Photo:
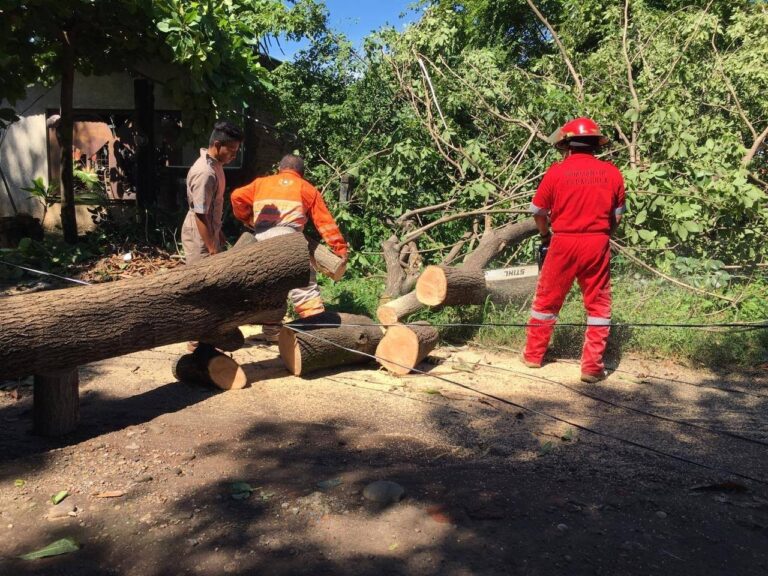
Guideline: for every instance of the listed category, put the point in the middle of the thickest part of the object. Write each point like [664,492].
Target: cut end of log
[398,351]
[288,345]
[387,315]
[225,373]
[432,286]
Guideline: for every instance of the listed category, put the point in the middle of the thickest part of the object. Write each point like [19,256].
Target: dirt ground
[489,487]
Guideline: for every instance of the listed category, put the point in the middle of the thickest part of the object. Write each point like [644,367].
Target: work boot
[592,378]
[528,363]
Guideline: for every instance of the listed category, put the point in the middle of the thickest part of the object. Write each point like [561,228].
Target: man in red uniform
[281,204]
[583,199]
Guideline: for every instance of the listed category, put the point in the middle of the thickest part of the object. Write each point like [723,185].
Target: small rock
[384,492]
[562,527]
[661,514]
[144,478]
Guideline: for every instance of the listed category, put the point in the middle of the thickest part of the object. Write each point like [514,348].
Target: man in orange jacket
[281,204]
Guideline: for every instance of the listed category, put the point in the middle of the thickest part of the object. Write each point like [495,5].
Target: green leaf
[237,487]
[164,26]
[641,217]
[546,448]
[19,483]
[63,546]
[59,496]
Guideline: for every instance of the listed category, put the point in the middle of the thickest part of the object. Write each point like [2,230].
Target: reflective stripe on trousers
[581,257]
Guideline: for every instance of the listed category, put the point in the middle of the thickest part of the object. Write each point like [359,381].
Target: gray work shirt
[205,195]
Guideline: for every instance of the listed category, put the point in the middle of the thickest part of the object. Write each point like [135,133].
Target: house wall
[24,147]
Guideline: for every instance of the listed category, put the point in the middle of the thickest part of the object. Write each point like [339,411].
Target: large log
[325,261]
[403,347]
[54,331]
[443,285]
[319,347]
[446,286]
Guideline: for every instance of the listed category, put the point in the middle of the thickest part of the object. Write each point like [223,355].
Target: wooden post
[56,407]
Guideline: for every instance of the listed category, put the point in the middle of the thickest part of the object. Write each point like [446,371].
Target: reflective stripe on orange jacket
[286,199]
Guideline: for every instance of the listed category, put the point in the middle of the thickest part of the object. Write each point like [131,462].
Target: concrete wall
[24,147]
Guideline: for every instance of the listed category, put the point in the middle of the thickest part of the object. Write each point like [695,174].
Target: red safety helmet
[576,129]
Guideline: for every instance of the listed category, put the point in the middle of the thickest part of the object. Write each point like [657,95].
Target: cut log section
[206,365]
[56,403]
[320,347]
[61,329]
[446,286]
[323,259]
[391,312]
[403,347]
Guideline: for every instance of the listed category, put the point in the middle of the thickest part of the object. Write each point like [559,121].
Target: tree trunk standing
[403,347]
[321,346]
[56,408]
[60,329]
[68,215]
[144,103]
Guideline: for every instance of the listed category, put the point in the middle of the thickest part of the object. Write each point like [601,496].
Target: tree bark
[319,347]
[443,285]
[228,340]
[403,347]
[323,259]
[392,311]
[491,244]
[68,215]
[208,366]
[56,407]
[58,329]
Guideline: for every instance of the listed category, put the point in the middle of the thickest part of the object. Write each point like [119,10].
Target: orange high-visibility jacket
[285,199]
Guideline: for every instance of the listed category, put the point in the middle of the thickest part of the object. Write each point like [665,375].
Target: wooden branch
[749,156]
[682,53]
[451,217]
[407,215]
[631,81]
[556,38]
[639,262]
[731,89]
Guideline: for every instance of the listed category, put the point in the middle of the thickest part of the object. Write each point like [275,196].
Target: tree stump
[403,347]
[319,347]
[56,402]
[443,285]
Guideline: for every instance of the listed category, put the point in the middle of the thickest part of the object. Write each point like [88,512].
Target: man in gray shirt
[201,233]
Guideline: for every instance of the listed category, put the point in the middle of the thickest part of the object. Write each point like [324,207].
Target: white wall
[24,148]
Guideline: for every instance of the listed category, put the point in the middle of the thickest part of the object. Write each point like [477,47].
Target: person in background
[201,234]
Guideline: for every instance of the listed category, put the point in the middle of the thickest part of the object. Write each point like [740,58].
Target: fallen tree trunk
[208,366]
[313,348]
[403,347]
[323,259]
[228,341]
[51,331]
[446,286]
[491,244]
[443,285]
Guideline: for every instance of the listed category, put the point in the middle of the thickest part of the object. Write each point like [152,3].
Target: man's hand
[545,239]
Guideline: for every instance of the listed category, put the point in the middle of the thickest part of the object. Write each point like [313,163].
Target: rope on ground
[544,414]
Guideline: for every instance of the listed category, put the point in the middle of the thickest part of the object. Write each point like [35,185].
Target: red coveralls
[581,195]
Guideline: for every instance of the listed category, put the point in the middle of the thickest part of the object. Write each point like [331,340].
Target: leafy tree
[213,46]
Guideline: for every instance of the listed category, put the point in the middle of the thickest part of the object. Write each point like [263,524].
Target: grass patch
[635,299]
